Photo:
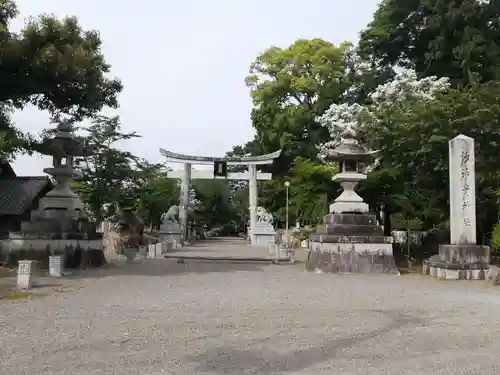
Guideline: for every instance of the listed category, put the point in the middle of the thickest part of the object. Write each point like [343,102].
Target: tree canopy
[53,64]
[456,39]
[447,56]
[422,73]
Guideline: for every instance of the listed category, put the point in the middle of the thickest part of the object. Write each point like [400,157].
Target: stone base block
[464,254]
[368,258]
[176,237]
[263,239]
[340,207]
[455,271]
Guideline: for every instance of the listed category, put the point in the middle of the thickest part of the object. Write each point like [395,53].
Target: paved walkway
[160,317]
[234,248]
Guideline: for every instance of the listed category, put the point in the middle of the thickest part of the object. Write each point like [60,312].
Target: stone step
[333,238]
[350,219]
[350,230]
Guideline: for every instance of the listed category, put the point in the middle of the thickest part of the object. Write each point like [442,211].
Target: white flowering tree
[376,124]
[404,88]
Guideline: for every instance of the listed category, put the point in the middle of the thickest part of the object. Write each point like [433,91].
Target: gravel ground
[160,317]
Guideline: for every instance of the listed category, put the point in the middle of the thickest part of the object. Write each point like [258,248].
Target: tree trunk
[387,223]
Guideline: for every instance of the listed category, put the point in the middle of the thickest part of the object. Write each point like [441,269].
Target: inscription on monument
[24,269]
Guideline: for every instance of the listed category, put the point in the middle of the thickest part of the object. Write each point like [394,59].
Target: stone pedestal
[24,274]
[171,231]
[459,262]
[169,246]
[264,234]
[56,266]
[350,242]
[349,200]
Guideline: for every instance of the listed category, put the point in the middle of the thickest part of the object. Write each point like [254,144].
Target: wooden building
[18,196]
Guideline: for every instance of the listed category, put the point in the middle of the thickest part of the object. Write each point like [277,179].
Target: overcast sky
[183,63]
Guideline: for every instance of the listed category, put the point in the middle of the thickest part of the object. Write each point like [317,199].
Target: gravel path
[160,317]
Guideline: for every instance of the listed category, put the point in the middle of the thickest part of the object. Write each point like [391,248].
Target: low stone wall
[347,258]
[78,253]
[18,244]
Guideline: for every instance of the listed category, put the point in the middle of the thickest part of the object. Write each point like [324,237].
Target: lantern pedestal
[350,239]
[349,200]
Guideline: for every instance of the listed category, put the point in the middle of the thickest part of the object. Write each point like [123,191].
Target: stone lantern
[350,238]
[352,158]
[61,211]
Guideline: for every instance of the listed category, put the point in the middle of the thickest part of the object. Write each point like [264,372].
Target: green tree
[53,64]
[456,38]
[290,87]
[108,175]
[154,192]
[310,193]
[240,202]
[413,140]
[215,207]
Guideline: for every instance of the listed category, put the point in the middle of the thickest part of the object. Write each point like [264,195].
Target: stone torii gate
[252,176]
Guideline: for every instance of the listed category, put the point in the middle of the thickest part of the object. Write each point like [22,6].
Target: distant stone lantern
[63,148]
[352,157]
[60,212]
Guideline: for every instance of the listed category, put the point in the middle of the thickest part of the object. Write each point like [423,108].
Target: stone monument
[59,224]
[170,229]
[462,258]
[264,230]
[350,239]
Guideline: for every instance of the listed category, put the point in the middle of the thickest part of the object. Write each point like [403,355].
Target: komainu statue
[264,217]
[170,215]
[127,231]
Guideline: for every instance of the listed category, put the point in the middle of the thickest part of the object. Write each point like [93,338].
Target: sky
[183,63]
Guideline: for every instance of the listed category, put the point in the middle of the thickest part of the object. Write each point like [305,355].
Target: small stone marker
[151,251]
[158,249]
[24,272]
[56,266]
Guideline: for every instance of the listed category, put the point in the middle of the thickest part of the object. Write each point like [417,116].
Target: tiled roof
[17,194]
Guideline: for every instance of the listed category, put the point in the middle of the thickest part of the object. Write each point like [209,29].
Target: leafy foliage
[290,87]
[54,65]
[107,176]
[154,192]
[310,192]
[457,39]
[413,138]
[215,208]
[495,239]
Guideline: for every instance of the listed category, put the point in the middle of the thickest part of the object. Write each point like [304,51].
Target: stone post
[24,273]
[56,265]
[252,188]
[462,258]
[462,191]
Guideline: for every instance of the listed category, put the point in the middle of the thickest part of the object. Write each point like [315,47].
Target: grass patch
[6,272]
[6,293]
